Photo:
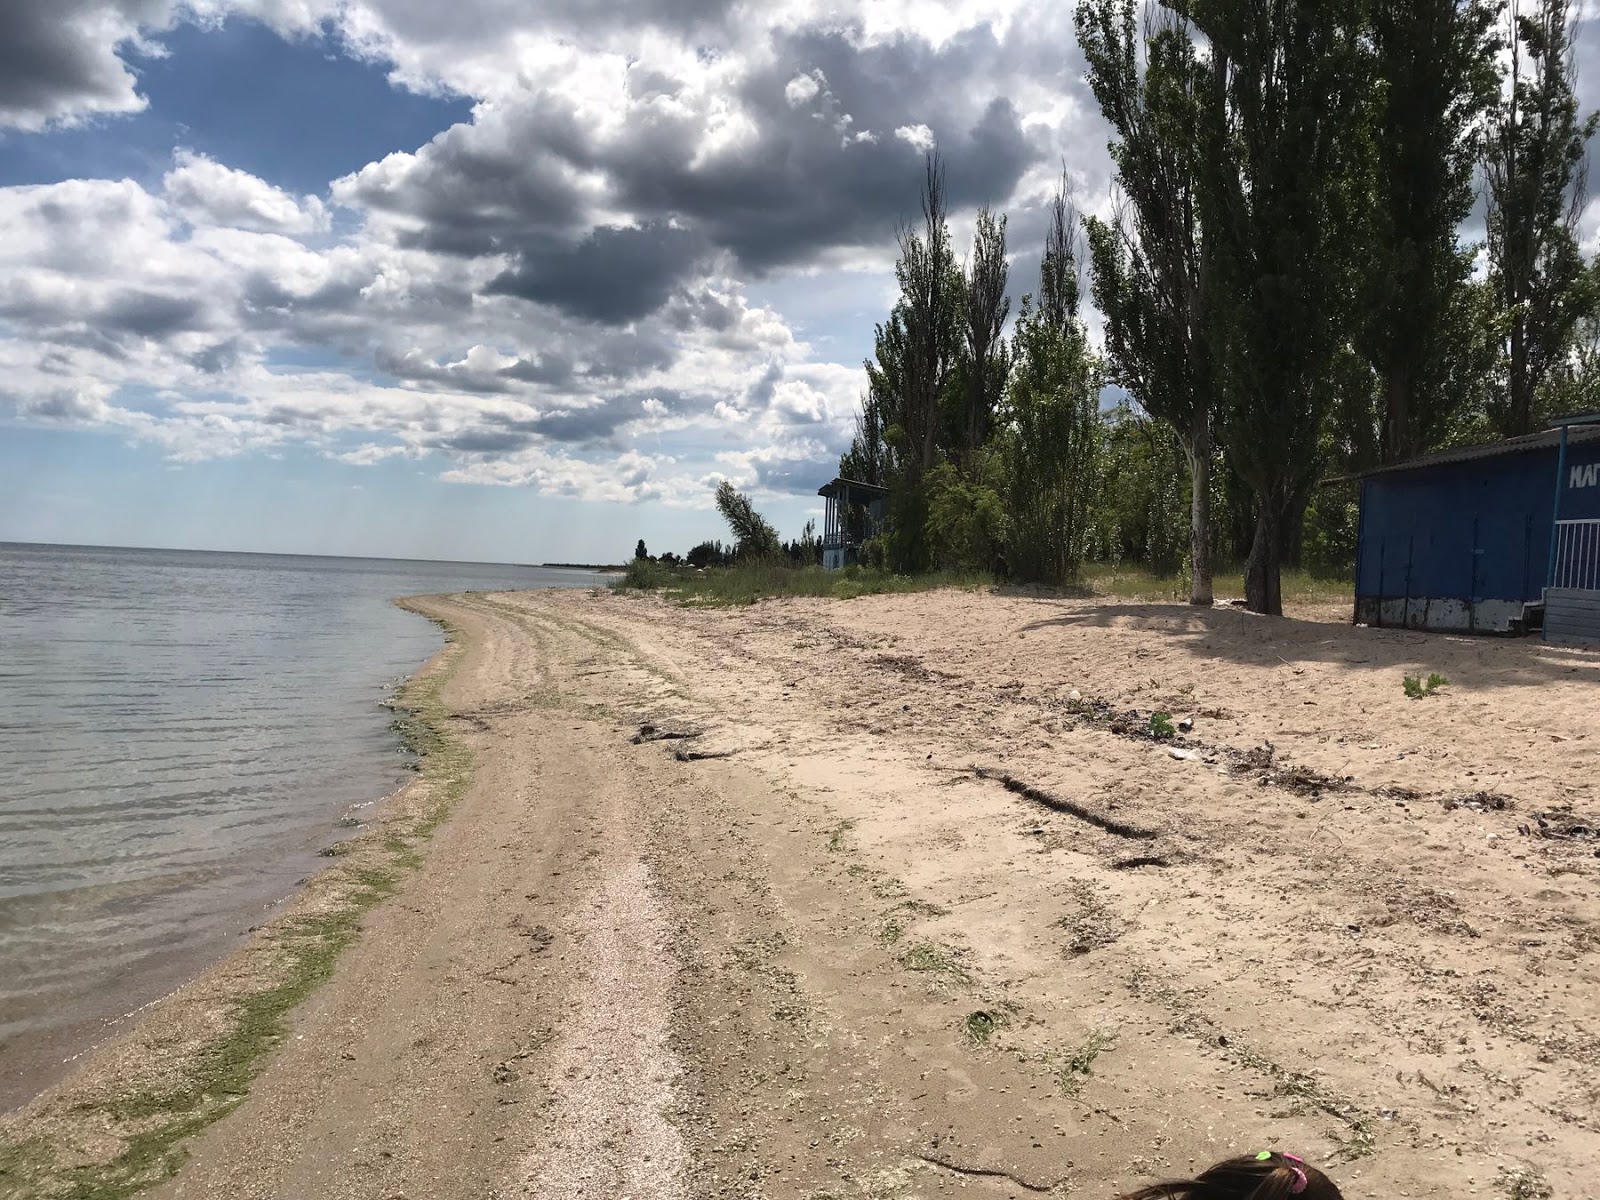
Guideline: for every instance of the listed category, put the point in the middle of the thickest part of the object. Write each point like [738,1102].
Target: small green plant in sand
[1417,688]
[925,956]
[891,931]
[836,838]
[1524,1183]
[1161,726]
[981,1025]
[1075,1072]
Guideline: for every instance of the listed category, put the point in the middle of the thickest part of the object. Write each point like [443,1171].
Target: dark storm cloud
[796,476]
[455,376]
[56,57]
[223,356]
[588,425]
[596,424]
[798,190]
[615,275]
[150,314]
[801,192]
[552,367]
[475,195]
[95,341]
[800,185]
[490,442]
[63,406]
[461,26]
[627,356]
[762,390]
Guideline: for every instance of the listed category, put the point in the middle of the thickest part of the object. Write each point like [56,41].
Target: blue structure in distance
[1467,540]
[853,515]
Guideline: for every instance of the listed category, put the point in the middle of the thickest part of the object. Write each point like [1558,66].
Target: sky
[490,279]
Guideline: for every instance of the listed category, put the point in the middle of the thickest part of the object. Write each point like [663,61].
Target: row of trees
[1286,285]
[755,539]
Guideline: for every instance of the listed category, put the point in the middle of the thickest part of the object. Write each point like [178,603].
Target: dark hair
[1249,1177]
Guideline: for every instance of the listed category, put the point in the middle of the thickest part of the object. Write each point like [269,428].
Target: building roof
[854,485]
[1583,431]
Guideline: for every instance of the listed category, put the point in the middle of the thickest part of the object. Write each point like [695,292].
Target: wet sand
[896,897]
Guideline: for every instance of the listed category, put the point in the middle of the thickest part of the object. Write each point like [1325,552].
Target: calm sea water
[180,733]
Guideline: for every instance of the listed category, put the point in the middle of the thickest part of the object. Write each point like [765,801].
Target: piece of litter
[1183,754]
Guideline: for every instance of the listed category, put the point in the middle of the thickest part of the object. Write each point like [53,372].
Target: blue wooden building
[1487,539]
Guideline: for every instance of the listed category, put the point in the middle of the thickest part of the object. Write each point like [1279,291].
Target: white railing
[1577,560]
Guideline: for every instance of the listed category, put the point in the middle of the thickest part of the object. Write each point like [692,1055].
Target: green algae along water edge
[182,734]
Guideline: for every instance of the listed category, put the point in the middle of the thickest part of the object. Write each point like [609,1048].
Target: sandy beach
[900,897]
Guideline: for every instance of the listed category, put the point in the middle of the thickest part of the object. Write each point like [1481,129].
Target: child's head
[1264,1176]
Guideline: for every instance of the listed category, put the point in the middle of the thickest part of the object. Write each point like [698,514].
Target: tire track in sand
[614,1077]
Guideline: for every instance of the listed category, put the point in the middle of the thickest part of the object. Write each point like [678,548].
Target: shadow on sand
[1233,635]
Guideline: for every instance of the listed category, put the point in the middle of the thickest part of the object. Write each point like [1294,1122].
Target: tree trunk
[1521,416]
[1199,449]
[1263,585]
[1396,419]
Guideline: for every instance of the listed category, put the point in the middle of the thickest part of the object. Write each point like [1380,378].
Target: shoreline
[906,895]
[169,1067]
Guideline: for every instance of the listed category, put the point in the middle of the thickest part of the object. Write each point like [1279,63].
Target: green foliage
[938,370]
[1574,384]
[644,575]
[983,362]
[1050,427]
[1148,259]
[1417,688]
[905,543]
[1141,494]
[1161,726]
[1132,581]
[1435,76]
[709,554]
[1279,198]
[753,535]
[1285,292]
[1332,521]
[639,551]
[1534,166]
[966,516]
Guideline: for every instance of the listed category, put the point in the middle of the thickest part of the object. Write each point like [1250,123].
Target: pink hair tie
[1300,1180]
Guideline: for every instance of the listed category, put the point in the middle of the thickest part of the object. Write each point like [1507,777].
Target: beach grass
[752,582]
[152,1124]
[1130,581]
[747,583]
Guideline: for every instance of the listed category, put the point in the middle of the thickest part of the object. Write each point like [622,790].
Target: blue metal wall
[1463,545]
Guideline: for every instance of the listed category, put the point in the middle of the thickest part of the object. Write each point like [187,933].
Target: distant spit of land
[581,567]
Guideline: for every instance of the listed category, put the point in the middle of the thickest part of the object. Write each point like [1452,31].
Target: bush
[966,519]
[645,575]
[1332,521]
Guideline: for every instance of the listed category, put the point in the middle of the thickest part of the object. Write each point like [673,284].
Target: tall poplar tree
[1281,136]
[1148,273]
[1436,77]
[984,362]
[1535,164]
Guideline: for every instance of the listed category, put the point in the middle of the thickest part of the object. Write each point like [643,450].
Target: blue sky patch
[296,113]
